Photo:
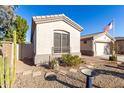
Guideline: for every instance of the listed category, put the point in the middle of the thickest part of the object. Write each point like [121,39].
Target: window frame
[61,32]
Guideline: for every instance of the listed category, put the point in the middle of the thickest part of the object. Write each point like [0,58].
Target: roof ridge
[92,34]
[57,17]
[46,16]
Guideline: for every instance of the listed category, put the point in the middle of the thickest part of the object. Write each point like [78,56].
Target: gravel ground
[62,81]
[108,76]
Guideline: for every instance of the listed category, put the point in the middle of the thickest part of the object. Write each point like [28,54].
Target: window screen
[57,42]
[65,42]
[61,42]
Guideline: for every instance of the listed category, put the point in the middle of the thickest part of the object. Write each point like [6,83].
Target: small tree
[114,56]
[21,29]
[6,19]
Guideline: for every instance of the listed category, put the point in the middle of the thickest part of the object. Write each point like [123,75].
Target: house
[53,36]
[120,44]
[96,44]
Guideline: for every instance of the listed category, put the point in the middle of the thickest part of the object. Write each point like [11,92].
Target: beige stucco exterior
[88,45]
[87,48]
[120,46]
[45,32]
[43,39]
[102,38]
[96,45]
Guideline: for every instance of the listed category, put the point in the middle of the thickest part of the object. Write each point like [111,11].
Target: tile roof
[58,17]
[96,34]
[90,35]
[119,38]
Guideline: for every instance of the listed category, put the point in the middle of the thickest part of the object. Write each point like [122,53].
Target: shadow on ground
[119,67]
[46,66]
[28,61]
[66,84]
[54,78]
[107,72]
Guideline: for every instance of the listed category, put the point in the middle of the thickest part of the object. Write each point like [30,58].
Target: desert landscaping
[52,50]
[109,74]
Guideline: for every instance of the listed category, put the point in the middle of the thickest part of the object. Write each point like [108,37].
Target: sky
[92,18]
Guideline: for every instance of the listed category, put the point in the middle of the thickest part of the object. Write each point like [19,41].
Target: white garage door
[102,49]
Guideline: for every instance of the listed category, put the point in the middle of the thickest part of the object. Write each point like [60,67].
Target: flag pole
[113,27]
[113,30]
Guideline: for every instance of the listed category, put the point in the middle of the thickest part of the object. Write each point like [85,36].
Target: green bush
[70,60]
[53,64]
[112,58]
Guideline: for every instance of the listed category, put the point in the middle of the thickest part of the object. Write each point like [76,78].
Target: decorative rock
[36,73]
[49,73]
[50,76]
[27,72]
[73,70]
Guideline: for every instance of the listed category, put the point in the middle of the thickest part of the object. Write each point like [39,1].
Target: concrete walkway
[24,65]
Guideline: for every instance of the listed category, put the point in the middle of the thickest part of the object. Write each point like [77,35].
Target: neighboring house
[120,45]
[96,44]
[54,35]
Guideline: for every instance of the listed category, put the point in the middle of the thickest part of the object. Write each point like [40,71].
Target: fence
[24,51]
[7,50]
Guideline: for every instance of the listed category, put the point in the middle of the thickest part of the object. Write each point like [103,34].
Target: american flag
[108,27]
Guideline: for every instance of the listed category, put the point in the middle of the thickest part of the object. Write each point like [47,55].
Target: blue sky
[92,18]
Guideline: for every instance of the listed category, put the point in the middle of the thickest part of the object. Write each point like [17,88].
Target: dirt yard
[109,75]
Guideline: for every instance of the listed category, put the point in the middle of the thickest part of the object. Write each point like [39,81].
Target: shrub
[70,60]
[53,64]
[112,58]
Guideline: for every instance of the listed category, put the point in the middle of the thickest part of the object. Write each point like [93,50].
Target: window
[61,42]
[57,42]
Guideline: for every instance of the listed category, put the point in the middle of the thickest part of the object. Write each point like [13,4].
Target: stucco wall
[102,38]
[90,47]
[44,37]
[87,48]
[34,42]
[120,46]
[87,45]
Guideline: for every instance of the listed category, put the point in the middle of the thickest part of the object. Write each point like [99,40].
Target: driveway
[119,57]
